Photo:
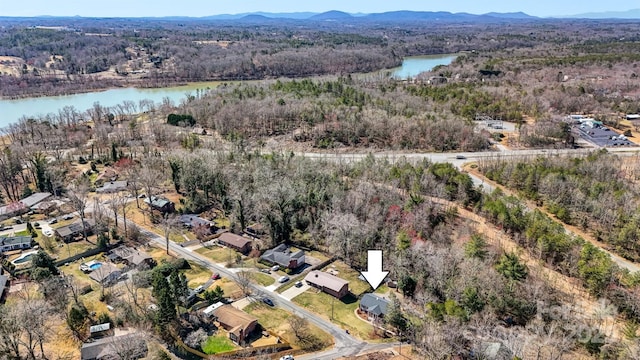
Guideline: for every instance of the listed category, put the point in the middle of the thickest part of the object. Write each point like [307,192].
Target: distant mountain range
[629,14]
[391,16]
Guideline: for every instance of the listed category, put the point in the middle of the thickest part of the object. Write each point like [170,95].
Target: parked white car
[283,279]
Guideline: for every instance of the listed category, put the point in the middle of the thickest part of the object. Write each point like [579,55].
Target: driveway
[242,303]
[14,229]
[293,291]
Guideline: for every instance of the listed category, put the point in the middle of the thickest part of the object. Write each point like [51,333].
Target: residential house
[283,256]
[112,187]
[74,230]
[15,243]
[4,280]
[161,204]
[129,346]
[374,306]
[131,257]
[235,242]
[34,199]
[238,323]
[201,227]
[106,274]
[328,283]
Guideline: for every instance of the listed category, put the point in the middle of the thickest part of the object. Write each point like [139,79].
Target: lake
[412,66]
[12,110]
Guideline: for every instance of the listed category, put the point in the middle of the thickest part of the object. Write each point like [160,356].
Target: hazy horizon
[199,8]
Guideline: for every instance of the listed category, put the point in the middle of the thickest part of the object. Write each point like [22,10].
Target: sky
[138,8]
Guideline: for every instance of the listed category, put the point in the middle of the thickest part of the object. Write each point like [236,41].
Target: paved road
[345,344]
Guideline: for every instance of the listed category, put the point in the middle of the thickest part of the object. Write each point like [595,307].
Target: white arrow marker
[374,273]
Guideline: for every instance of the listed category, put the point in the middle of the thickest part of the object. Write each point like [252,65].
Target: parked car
[48,233]
[283,279]
[53,221]
[266,271]
[275,268]
[37,225]
[287,357]
[67,217]
[268,301]
[298,284]
[199,289]
[215,276]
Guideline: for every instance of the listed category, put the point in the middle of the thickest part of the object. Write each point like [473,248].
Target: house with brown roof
[328,283]
[238,323]
[236,242]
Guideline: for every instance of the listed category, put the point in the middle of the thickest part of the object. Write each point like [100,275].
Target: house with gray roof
[161,204]
[283,256]
[15,243]
[112,187]
[131,257]
[74,230]
[106,274]
[129,346]
[374,306]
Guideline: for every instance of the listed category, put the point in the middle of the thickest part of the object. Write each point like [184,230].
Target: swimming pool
[23,258]
[90,266]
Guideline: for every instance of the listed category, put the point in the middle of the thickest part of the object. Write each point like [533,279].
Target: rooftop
[103,272]
[233,317]
[324,279]
[156,201]
[33,199]
[235,240]
[281,255]
[109,347]
[12,240]
[112,186]
[131,255]
[374,304]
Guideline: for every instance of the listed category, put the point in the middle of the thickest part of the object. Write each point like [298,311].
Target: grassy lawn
[275,320]
[318,255]
[217,344]
[197,275]
[230,288]
[218,254]
[262,279]
[158,254]
[356,286]
[343,311]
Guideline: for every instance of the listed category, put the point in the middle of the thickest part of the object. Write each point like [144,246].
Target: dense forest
[598,193]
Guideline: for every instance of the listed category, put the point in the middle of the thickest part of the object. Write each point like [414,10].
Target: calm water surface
[12,110]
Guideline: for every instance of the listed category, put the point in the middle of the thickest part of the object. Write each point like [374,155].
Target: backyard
[218,344]
[275,320]
[339,311]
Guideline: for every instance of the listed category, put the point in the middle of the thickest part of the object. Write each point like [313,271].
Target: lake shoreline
[15,108]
